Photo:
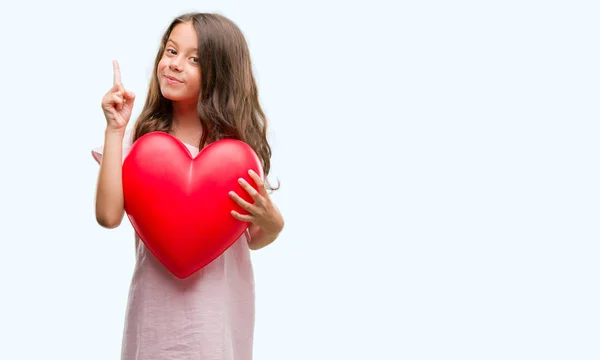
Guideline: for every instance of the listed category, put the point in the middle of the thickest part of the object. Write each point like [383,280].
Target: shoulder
[127,142]
[128,138]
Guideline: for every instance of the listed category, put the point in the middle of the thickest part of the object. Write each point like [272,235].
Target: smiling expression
[178,71]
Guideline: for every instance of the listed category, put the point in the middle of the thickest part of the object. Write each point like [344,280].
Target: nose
[175,64]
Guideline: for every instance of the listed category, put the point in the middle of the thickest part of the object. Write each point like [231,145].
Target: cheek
[195,82]
[161,67]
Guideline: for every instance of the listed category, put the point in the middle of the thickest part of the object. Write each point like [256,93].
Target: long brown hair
[228,106]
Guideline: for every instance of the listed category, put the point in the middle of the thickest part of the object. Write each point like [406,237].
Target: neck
[186,124]
[185,115]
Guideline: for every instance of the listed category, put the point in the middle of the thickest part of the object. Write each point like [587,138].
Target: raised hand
[117,104]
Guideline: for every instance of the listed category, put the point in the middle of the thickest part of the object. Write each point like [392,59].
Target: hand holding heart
[117,104]
[263,213]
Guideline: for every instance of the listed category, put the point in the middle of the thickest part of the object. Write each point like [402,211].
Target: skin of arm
[109,189]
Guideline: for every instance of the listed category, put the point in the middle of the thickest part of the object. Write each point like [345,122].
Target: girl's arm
[109,190]
[116,105]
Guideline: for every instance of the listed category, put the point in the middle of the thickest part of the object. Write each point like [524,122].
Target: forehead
[184,35]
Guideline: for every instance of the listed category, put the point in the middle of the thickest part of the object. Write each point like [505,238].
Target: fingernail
[240,180]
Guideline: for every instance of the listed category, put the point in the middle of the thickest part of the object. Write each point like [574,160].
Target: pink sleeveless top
[209,315]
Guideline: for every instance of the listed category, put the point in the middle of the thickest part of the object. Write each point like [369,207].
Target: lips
[172,79]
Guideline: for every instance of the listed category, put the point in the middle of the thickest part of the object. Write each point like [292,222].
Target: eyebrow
[174,42]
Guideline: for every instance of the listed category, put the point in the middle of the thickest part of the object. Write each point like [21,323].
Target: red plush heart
[179,205]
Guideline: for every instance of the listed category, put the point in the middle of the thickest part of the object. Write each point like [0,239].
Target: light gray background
[438,163]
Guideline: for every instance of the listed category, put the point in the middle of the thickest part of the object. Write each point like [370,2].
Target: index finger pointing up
[116,73]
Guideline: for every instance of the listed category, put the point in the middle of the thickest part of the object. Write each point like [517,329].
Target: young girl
[202,90]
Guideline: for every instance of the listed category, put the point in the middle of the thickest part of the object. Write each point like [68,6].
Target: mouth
[171,79]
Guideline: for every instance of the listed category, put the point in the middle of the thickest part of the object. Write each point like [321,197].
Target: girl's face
[179,69]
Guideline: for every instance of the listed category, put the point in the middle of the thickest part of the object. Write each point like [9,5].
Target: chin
[169,96]
[173,96]
[177,97]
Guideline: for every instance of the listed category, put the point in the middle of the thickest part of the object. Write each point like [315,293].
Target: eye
[172,52]
[196,60]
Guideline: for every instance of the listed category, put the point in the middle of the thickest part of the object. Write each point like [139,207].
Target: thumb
[129,95]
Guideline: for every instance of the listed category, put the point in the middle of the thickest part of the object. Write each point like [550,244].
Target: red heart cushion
[179,205]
